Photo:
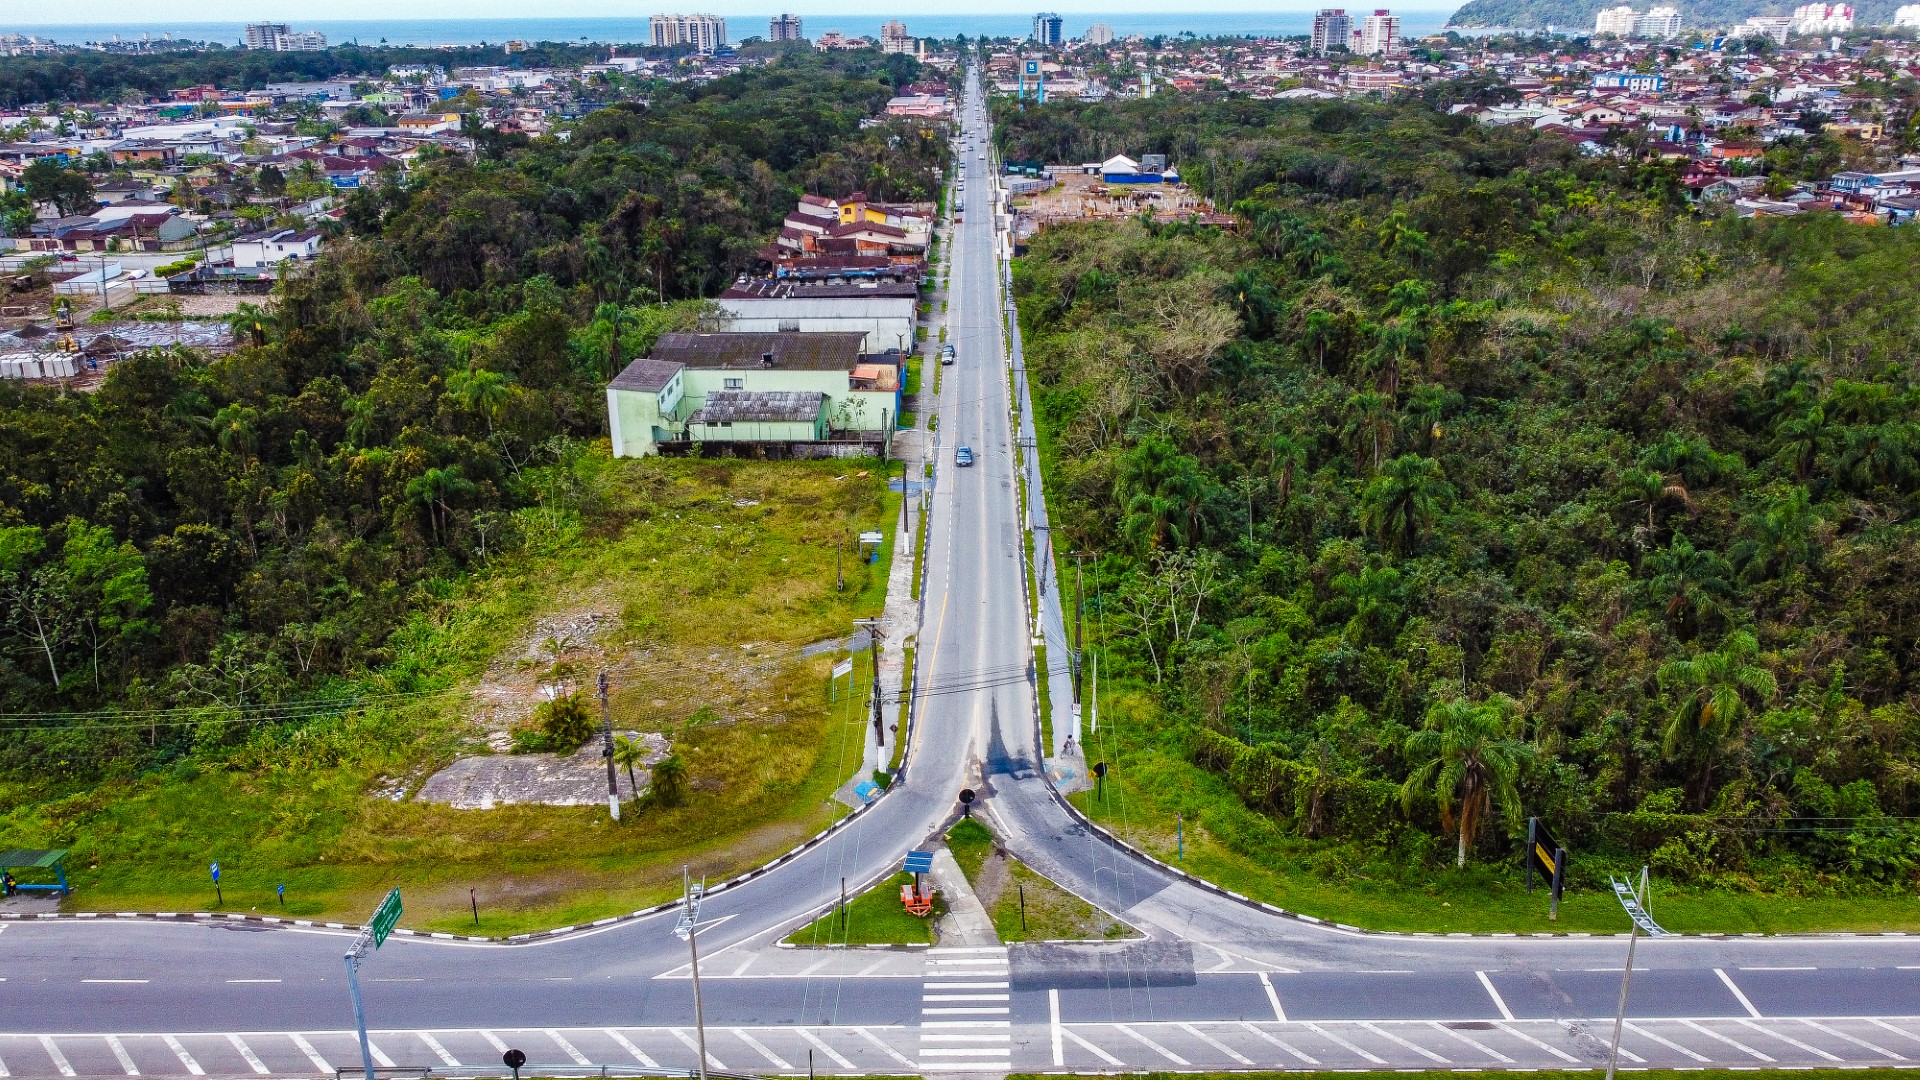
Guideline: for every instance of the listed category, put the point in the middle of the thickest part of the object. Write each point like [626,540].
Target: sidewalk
[899,623]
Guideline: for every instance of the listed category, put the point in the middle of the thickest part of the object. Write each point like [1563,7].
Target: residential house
[270,249]
[881,312]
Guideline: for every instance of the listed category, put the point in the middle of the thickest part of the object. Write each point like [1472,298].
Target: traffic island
[874,917]
[1023,904]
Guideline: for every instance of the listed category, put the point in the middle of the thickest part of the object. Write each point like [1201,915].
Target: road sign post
[378,928]
[218,899]
[687,929]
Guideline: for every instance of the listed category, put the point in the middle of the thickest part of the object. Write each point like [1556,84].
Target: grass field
[698,581]
[1023,905]
[875,917]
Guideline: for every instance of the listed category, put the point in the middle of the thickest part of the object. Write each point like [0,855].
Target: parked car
[946,356]
[963,456]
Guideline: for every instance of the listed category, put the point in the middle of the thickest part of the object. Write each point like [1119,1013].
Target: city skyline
[242,12]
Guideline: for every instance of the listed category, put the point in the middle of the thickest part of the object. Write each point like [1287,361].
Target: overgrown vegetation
[1024,905]
[1471,481]
[874,917]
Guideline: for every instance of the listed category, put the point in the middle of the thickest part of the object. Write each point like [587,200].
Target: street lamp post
[687,929]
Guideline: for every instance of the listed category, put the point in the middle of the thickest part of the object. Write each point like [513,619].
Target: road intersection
[1215,982]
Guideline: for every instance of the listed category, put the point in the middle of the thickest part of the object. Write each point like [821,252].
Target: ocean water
[626,30]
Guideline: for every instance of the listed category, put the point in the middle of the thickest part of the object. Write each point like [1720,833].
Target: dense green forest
[99,76]
[1472,480]
[225,536]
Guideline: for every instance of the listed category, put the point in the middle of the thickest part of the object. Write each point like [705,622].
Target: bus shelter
[41,865]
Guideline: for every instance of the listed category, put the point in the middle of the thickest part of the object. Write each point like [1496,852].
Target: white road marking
[186,1059]
[974,1024]
[300,1043]
[1524,1037]
[1415,1047]
[751,957]
[687,1041]
[1746,968]
[971,1051]
[1498,1001]
[246,1053]
[494,1040]
[965,997]
[59,1059]
[966,986]
[1053,1022]
[1738,996]
[1273,998]
[1279,1042]
[1096,1051]
[568,1048]
[440,1051]
[1337,1040]
[1881,1050]
[761,1049]
[1663,1041]
[1735,1043]
[627,1045]
[884,1048]
[116,982]
[967,1010]
[380,1057]
[3,1069]
[1791,1041]
[1480,1046]
[821,1045]
[119,1051]
[1216,1044]
[810,969]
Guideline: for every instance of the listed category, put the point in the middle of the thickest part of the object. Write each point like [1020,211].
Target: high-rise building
[1618,21]
[1046,28]
[1776,27]
[1659,23]
[1331,26]
[783,27]
[264,35]
[301,41]
[1099,34]
[1822,19]
[1379,33]
[704,32]
[894,37]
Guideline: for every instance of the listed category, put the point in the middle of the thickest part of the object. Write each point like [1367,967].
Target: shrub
[565,722]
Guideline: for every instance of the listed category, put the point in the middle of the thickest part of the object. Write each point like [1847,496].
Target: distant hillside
[1705,14]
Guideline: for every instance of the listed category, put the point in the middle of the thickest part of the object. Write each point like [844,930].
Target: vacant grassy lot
[697,581]
[874,917]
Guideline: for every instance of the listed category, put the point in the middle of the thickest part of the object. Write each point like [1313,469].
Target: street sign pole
[688,928]
[384,918]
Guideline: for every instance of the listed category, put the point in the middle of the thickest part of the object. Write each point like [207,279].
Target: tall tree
[1465,759]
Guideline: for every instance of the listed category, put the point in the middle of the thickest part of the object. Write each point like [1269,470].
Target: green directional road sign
[385,917]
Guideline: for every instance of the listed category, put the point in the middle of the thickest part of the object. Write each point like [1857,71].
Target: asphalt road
[1214,984]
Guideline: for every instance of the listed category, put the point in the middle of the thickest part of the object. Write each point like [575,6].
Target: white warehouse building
[882,311]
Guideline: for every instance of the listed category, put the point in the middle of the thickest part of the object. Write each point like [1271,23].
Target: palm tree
[1693,580]
[1881,455]
[669,780]
[1369,428]
[1715,688]
[1317,331]
[1648,488]
[433,488]
[1781,535]
[1289,457]
[1800,440]
[1468,762]
[1398,506]
[481,391]
[628,752]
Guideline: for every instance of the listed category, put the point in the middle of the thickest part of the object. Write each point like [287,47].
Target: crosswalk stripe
[967,1010]
[760,1048]
[1151,1045]
[1281,1043]
[433,1044]
[1524,1037]
[1668,1043]
[1484,1048]
[120,1051]
[966,1051]
[246,1052]
[820,1044]
[1791,1041]
[1330,1036]
[1881,1050]
[1415,1047]
[957,1024]
[59,1059]
[687,1041]
[1069,1033]
[884,1048]
[965,986]
[627,1045]
[186,1059]
[1735,1043]
[568,1048]
[966,997]
[300,1043]
[1216,1044]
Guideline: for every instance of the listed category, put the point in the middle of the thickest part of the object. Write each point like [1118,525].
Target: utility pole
[687,929]
[1079,609]
[606,751]
[1620,1014]
[872,626]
